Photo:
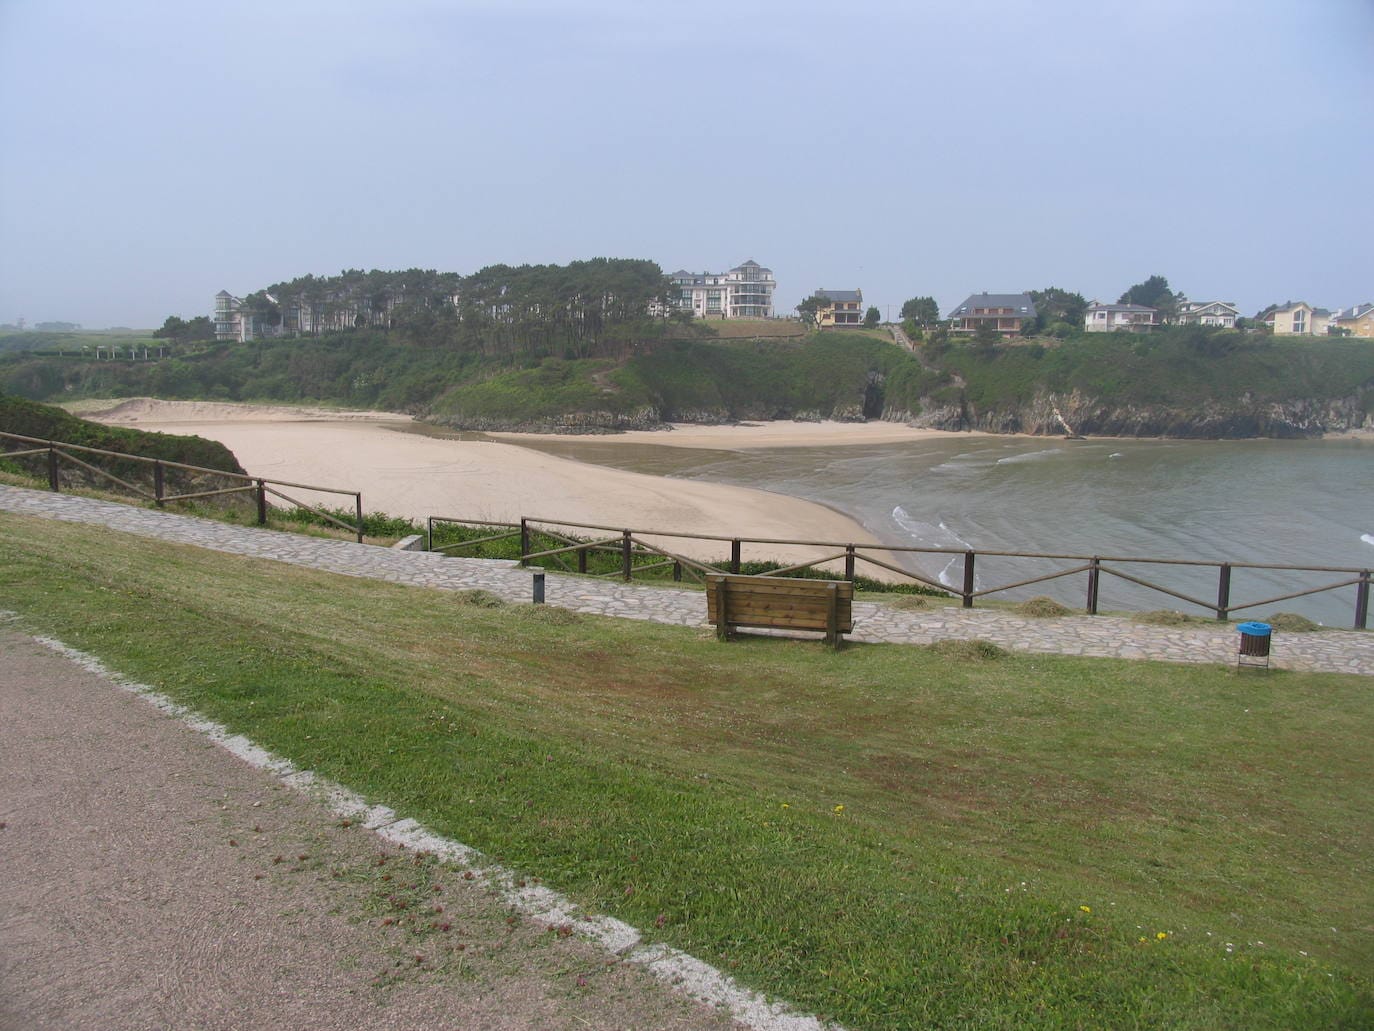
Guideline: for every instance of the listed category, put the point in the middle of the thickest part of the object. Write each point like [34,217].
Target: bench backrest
[784,603]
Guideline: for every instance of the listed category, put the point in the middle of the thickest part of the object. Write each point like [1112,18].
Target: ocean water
[1302,503]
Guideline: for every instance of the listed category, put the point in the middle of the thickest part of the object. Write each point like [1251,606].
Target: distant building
[745,292]
[1131,318]
[231,321]
[844,309]
[1005,313]
[1300,319]
[1357,320]
[1206,313]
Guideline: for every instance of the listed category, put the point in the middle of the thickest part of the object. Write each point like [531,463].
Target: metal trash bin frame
[1254,645]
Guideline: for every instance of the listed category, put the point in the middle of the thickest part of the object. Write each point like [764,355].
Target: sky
[154,153]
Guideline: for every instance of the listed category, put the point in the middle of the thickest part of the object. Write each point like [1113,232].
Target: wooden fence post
[262,502]
[429,534]
[1224,591]
[53,482]
[849,562]
[968,580]
[524,539]
[734,556]
[581,560]
[1094,581]
[626,558]
[1362,602]
[722,609]
[158,483]
[359,509]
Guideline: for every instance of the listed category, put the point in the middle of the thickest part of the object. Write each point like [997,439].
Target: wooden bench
[780,603]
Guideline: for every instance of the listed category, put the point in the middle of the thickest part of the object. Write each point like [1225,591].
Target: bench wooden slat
[781,603]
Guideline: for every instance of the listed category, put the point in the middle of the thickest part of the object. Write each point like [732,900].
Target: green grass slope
[889,837]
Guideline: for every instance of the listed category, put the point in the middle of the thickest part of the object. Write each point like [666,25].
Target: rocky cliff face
[1090,416]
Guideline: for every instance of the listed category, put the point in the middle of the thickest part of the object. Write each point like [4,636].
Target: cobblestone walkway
[1102,636]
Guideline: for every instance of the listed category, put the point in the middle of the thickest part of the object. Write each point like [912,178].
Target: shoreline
[416,475]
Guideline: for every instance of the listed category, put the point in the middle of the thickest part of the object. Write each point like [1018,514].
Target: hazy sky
[156,152]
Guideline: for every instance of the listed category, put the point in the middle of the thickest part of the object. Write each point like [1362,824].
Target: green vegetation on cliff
[1187,381]
[46,422]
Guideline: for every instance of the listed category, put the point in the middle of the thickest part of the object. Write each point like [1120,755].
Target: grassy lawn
[887,836]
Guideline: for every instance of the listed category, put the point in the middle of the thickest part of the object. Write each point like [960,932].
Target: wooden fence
[639,554]
[58,452]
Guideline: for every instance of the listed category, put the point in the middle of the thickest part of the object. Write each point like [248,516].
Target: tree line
[594,308]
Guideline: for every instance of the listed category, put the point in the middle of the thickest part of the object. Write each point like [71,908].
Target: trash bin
[1254,644]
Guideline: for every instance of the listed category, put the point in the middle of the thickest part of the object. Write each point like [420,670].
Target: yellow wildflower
[1162,935]
[1086,909]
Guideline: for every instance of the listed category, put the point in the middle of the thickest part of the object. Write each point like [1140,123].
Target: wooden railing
[641,551]
[260,487]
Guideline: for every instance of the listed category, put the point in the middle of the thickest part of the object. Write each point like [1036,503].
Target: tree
[179,331]
[1153,293]
[921,310]
[1055,305]
[985,340]
[812,308]
[872,317]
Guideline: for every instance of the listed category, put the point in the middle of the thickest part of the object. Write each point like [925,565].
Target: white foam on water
[936,535]
[1368,538]
[1031,456]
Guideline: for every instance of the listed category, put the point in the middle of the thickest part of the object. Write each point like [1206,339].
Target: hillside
[45,422]
[1180,382]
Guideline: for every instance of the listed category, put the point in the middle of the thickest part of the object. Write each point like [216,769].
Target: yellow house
[1300,319]
[1359,320]
[845,308]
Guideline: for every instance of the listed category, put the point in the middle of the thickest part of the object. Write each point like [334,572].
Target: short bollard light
[1254,645]
[539,588]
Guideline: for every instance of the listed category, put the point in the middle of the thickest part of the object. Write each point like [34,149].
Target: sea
[1270,502]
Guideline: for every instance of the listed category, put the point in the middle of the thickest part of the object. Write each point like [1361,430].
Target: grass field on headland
[889,836]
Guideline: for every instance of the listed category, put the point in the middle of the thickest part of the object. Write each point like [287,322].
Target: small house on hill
[1300,319]
[1130,318]
[845,308]
[1207,313]
[1358,320]
[1005,313]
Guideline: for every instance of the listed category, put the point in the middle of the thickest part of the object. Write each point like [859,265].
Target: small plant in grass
[1042,608]
[1292,623]
[972,650]
[479,599]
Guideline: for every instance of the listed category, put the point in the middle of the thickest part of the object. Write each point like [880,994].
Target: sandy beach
[411,474]
[747,435]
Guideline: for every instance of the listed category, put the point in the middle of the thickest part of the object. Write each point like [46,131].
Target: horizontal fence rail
[640,551]
[259,487]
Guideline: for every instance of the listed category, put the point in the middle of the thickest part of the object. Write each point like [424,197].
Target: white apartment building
[745,292]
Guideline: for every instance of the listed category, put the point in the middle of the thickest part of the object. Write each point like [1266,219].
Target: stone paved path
[1102,636]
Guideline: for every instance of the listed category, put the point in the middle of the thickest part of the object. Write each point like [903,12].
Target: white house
[1108,318]
[1207,313]
[745,292]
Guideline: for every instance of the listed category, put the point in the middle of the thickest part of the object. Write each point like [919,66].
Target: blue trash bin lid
[1255,629]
